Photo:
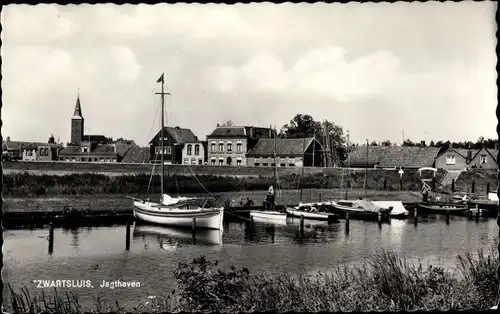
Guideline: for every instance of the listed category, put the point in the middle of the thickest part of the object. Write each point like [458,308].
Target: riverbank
[119,202]
[384,282]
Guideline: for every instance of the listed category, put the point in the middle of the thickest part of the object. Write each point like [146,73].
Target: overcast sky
[374,69]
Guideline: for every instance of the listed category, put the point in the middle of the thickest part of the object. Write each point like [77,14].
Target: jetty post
[301,225]
[487,189]
[477,212]
[193,225]
[347,223]
[51,238]
[453,185]
[320,196]
[127,235]
[415,216]
[447,216]
[473,188]
[379,218]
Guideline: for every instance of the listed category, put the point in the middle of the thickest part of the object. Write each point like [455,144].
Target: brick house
[31,151]
[451,158]
[228,145]
[174,140]
[484,158]
[194,153]
[290,152]
[409,157]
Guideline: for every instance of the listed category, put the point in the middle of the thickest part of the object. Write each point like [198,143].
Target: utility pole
[366,169]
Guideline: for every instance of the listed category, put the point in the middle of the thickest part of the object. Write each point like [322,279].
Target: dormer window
[482,159]
[85,149]
[450,160]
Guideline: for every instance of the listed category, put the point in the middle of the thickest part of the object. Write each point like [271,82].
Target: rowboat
[361,209]
[268,215]
[443,209]
[307,213]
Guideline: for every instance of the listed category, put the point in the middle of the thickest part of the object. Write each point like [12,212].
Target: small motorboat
[443,209]
[311,211]
[362,210]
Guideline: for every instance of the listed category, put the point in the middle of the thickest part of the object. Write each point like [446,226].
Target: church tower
[77,124]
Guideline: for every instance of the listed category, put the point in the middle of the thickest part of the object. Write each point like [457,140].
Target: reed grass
[384,282]
[27,184]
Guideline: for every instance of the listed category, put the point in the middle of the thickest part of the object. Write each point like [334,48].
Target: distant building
[290,152]
[412,157]
[194,153]
[485,158]
[174,140]
[228,145]
[31,151]
[451,158]
[87,147]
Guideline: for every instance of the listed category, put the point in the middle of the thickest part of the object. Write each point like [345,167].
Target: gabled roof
[492,152]
[284,147]
[122,148]
[96,138]
[180,135]
[99,149]
[228,131]
[136,154]
[18,145]
[394,156]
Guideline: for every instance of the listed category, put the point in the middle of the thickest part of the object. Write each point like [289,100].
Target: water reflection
[168,238]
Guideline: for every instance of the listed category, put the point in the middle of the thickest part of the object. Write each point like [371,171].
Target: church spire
[78,108]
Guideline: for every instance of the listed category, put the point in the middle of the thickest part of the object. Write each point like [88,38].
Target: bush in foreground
[385,282]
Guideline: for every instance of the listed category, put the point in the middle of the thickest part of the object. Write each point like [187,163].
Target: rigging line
[150,132]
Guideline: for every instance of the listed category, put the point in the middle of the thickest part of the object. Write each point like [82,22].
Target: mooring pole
[127,235]
[301,224]
[415,216]
[347,222]
[51,238]
[447,216]
[473,189]
[477,212]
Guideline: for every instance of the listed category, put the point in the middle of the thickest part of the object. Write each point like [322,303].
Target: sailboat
[273,214]
[180,211]
[362,209]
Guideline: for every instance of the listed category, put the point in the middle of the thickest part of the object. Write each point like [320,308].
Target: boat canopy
[366,205]
[397,207]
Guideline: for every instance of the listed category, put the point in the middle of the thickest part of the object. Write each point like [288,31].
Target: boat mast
[162,81]
[275,171]
[303,165]
[366,170]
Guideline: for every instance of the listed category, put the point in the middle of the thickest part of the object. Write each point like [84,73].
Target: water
[98,253]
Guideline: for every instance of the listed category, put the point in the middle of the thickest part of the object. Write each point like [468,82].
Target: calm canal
[98,253]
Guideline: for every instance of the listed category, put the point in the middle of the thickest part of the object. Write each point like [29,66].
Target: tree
[305,126]
[408,143]
[386,143]
[373,143]
[432,144]
[227,123]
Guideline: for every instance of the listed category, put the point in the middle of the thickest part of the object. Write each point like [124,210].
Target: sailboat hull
[271,215]
[309,215]
[207,218]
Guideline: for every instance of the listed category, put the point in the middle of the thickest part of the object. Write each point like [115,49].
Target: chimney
[496,145]
[177,127]
[450,145]
[422,144]
[469,156]
[8,139]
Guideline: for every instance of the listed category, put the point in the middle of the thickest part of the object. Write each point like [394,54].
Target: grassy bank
[480,177]
[385,282]
[26,184]
[120,202]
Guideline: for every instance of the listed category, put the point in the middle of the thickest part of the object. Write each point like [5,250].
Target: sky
[377,69]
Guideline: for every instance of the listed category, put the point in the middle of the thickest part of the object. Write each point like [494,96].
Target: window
[221,162]
[450,160]
[186,161]
[238,162]
[200,162]
[197,149]
[212,147]
[83,159]
[73,160]
[272,165]
[193,161]
[168,150]
[229,147]
[85,149]
[238,147]
[482,159]
[291,165]
[108,159]
[282,165]
[158,150]
[264,164]
[221,147]
[95,159]
[256,164]
[189,149]
[101,159]
[212,162]
[113,160]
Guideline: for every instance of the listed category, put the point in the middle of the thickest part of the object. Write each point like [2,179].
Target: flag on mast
[160,79]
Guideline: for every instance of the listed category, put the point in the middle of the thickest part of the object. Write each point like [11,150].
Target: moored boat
[398,210]
[169,234]
[268,214]
[180,211]
[310,212]
[443,209]
[362,210]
